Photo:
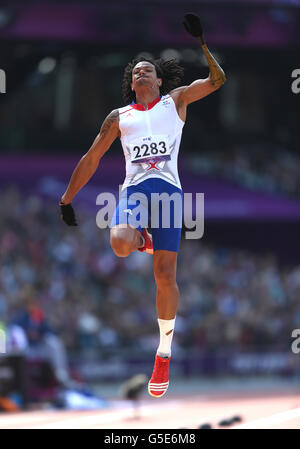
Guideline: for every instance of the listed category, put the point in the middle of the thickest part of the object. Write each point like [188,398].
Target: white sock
[166,328]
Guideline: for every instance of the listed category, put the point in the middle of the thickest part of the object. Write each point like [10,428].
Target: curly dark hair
[169,70]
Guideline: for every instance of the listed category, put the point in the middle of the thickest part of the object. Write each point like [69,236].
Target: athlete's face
[144,74]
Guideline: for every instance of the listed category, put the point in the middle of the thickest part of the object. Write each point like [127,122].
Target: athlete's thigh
[166,220]
[131,210]
[167,239]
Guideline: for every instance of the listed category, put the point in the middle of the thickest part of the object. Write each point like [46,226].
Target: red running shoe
[148,247]
[159,382]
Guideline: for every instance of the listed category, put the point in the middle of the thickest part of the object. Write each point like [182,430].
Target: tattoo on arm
[216,74]
[110,120]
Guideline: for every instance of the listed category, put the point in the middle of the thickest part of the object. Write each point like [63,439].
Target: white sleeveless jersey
[150,140]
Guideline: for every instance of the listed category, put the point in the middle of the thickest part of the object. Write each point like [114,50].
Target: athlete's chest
[159,120]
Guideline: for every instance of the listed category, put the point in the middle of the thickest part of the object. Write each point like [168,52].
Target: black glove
[68,214]
[193,25]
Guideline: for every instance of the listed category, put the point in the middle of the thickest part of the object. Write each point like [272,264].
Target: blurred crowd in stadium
[99,303]
[261,166]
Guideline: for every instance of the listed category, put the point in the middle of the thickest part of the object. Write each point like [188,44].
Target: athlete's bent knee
[121,242]
[120,245]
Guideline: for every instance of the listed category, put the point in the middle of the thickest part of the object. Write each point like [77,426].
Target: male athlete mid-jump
[150,129]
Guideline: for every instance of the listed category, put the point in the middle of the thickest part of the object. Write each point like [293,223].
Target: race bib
[154,147]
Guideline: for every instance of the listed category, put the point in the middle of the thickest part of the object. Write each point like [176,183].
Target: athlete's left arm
[201,87]
[195,91]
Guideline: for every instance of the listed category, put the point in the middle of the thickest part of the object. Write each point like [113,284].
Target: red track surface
[258,411]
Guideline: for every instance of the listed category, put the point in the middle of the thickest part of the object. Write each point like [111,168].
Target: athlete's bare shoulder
[179,103]
[111,123]
[175,93]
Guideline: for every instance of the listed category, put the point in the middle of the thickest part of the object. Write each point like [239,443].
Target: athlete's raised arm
[200,88]
[88,164]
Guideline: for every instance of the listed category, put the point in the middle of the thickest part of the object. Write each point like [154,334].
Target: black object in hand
[193,25]
[68,214]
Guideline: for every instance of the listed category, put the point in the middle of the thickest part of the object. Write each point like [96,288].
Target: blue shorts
[155,204]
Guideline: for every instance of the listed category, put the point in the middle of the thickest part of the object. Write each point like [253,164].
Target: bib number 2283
[156,147]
